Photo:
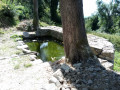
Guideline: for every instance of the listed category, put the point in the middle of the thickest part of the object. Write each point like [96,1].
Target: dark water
[48,50]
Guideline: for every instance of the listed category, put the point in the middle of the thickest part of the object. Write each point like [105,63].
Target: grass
[1,31]
[27,65]
[21,62]
[43,24]
[117,61]
[17,66]
[115,39]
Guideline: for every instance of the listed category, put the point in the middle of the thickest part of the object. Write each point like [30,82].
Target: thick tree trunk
[74,35]
[35,17]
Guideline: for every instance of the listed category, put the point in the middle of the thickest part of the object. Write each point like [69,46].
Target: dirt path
[14,75]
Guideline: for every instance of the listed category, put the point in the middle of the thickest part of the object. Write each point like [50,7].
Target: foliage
[27,65]
[11,12]
[43,24]
[15,36]
[92,23]
[17,66]
[1,31]
[117,61]
[107,19]
[7,15]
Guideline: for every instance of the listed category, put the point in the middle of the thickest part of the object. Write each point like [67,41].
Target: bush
[7,15]
[12,12]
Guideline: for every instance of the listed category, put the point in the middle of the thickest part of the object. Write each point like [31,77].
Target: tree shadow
[86,77]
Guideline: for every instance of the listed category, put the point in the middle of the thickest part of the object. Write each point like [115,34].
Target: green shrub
[7,15]
[11,12]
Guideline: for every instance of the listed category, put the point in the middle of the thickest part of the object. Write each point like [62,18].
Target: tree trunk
[74,36]
[35,17]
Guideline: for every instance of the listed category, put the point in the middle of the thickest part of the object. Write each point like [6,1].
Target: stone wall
[101,47]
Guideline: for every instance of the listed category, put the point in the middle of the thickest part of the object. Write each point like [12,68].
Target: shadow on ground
[85,77]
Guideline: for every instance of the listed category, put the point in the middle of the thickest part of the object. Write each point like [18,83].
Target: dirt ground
[17,72]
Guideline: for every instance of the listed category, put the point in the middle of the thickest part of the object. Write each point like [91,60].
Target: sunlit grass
[117,61]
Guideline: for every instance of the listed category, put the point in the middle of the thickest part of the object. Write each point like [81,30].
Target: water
[48,50]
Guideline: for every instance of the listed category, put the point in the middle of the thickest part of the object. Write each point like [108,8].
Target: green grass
[117,61]
[1,31]
[17,66]
[115,39]
[15,37]
[27,65]
[43,24]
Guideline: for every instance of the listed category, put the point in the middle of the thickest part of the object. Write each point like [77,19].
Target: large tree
[35,18]
[74,35]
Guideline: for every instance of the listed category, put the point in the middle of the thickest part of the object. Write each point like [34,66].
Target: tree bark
[35,17]
[74,35]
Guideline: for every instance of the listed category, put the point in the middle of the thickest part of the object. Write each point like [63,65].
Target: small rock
[78,73]
[65,67]
[26,34]
[18,39]
[26,51]
[51,86]
[77,65]
[55,81]
[73,89]
[34,40]
[59,75]
[95,87]
[90,81]
[84,88]
[108,65]
[22,47]
[37,62]
[90,69]
[77,81]
[65,88]
[33,57]
[78,85]
[2,58]
[46,64]
[20,43]
[14,55]
[97,69]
